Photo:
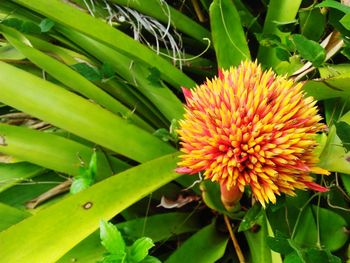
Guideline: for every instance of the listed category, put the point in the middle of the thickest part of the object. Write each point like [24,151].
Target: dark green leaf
[87,71]
[334,4]
[312,23]
[293,258]
[30,28]
[343,132]
[287,26]
[106,71]
[309,50]
[46,25]
[154,76]
[331,222]
[279,244]
[251,218]
[111,239]
[206,246]
[139,249]
[13,22]
[282,54]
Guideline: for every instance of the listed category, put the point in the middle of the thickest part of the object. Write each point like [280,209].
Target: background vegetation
[90,95]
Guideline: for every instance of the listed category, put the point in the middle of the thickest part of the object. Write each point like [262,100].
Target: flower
[249,127]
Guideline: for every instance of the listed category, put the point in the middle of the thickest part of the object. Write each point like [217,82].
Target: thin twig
[234,240]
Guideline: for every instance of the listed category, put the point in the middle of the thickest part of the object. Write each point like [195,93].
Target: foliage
[90,95]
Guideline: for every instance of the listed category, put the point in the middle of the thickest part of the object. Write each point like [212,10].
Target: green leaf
[331,222]
[65,224]
[312,23]
[46,25]
[106,71]
[10,216]
[279,244]
[163,134]
[87,71]
[211,196]
[309,50]
[77,115]
[206,246]
[334,4]
[139,249]
[279,11]
[112,239]
[12,173]
[228,36]
[343,132]
[150,259]
[81,182]
[59,12]
[256,238]
[345,21]
[159,227]
[8,52]
[251,218]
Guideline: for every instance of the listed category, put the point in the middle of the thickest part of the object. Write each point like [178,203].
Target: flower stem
[234,240]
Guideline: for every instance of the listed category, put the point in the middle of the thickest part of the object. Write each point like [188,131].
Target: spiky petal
[251,128]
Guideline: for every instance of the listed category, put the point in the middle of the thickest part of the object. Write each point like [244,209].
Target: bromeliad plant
[94,116]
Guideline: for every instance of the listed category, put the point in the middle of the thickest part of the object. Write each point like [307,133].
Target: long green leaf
[69,16]
[136,73]
[52,232]
[10,216]
[69,77]
[68,111]
[228,36]
[12,173]
[167,14]
[45,149]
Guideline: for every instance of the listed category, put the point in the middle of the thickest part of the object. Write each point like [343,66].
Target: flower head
[249,127]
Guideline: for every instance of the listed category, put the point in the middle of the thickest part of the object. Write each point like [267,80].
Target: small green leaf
[286,26]
[312,23]
[139,249]
[268,40]
[154,76]
[111,239]
[343,132]
[46,25]
[106,71]
[163,134]
[87,71]
[309,49]
[251,218]
[150,259]
[30,28]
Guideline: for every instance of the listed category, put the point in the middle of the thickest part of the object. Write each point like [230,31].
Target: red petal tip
[183,170]
[187,93]
[316,187]
[220,73]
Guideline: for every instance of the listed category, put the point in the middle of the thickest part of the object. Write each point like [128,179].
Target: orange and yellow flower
[249,127]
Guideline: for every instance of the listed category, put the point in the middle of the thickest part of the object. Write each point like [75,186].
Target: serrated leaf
[343,132]
[112,239]
[309,49]
[46,25]
[139,249]
[87,71]
[250,218]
